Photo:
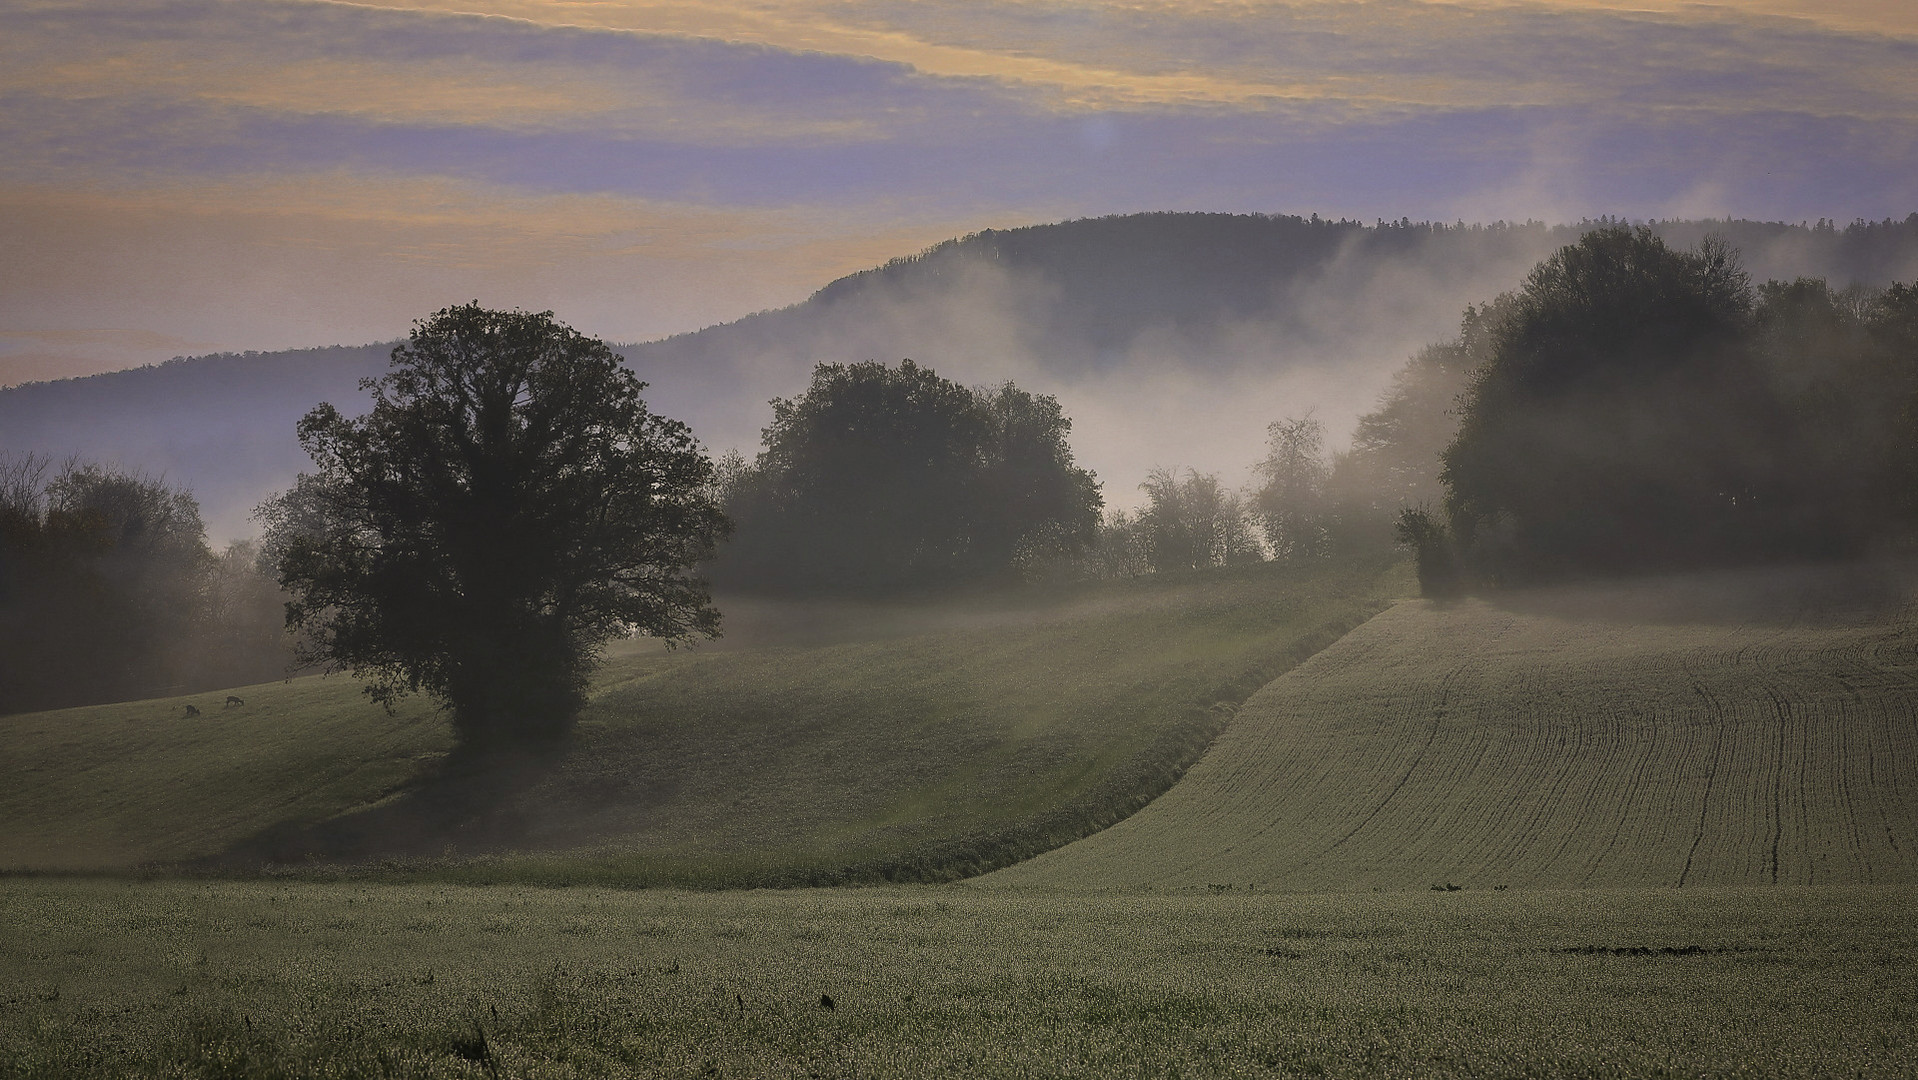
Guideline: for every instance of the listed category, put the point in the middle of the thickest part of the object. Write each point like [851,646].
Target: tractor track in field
[1711,774]
[1431,735]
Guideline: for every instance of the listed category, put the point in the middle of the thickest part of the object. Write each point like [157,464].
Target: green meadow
[259,979]
[813,744]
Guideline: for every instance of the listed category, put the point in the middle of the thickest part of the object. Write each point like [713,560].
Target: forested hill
[1171,339]
[1091,291]
[221,425]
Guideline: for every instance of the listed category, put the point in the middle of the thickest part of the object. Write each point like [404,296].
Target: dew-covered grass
[257,979]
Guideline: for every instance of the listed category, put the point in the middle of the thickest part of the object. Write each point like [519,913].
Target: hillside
[221,425]
[1742,729]
[1087,296]
[814,744]
[1171,339]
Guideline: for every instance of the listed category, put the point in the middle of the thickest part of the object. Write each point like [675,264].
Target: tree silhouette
[1291,505]
[508,505]
[881,479]
[1620,422]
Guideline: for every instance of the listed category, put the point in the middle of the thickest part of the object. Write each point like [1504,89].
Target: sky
[189,176]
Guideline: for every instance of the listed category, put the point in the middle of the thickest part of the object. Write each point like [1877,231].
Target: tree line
[109,591]
[889,480]
[1631,408]
[510,504]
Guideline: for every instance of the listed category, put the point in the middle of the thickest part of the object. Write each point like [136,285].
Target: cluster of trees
[882,479]
[1631,408]
[1306,502]
[1192,521]
[1637,408]
[108,591]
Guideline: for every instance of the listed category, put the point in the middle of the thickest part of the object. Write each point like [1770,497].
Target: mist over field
[1171,340]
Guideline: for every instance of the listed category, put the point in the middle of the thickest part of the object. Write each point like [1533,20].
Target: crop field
[812,745]
[1743,729]
[239,979]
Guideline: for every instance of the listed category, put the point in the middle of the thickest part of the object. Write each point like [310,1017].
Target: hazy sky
[183,176]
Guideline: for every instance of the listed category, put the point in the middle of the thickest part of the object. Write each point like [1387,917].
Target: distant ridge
[1104,281]
[1104,312]
[222,424]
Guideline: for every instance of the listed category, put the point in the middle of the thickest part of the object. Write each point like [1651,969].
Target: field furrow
[1743,731]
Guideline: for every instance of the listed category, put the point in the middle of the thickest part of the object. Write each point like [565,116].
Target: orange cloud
[324,259]
[294,74]
[1089,55]
[1894,17]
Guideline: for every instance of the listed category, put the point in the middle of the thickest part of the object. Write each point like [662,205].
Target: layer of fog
[1178,398]
[1326,334]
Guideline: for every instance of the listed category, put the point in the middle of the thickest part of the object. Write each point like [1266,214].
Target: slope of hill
[1171,339]
[814,745]
[223,426]
[111,786]
[1744,729]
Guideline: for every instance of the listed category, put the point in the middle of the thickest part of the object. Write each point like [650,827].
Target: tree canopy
[507,506]
[1642,408]
[1581,444]
[1195,523]
[1291,504]
[883,478]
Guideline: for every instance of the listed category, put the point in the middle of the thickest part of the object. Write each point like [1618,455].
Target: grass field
[257,979]
[814,745]
[1739,729]
[1676,820]
[111,786]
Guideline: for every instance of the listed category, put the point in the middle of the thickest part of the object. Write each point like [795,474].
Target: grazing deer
[232,701]
[192,711]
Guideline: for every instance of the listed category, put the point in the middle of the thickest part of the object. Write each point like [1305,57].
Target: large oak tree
[508,506]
